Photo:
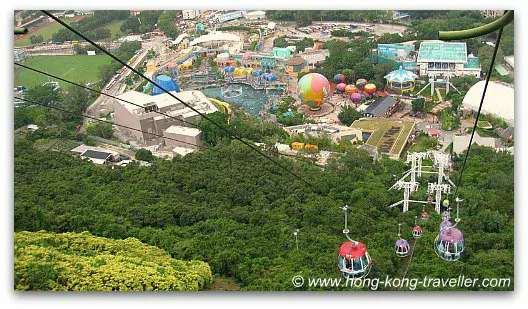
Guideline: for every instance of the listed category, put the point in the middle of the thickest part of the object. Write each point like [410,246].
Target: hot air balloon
[341,87]
[313,88]
[356,97]
[339,78]
[360,83]
[350,89]
[370,89]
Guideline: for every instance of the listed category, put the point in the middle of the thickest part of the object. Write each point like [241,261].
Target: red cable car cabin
[354,260]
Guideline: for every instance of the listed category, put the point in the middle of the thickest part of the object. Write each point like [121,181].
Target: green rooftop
[442,52]
[501,69]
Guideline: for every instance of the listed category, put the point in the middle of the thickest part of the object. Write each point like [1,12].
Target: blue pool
[245,96]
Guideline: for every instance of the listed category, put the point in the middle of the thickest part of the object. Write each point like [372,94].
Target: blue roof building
[282,52]
[400,81]
[167,83]
[399,54]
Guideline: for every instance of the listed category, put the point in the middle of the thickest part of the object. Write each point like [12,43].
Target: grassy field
[114,28]
[53,27]
[378,128]
[46,32]
[76,68]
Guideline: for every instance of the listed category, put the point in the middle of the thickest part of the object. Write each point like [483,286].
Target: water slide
[222,106]
[182,57]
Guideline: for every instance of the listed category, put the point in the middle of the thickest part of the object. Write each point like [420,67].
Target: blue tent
[167,83]
[401,76]
[270,77]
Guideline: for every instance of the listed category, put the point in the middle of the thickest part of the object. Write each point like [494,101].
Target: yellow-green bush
[83,262]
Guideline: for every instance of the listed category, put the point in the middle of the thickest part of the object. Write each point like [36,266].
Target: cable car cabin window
[357,264]
[364,260]
[348,264]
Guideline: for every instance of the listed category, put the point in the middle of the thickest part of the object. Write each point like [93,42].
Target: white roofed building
[499,100]
[221,41]
[256,15]
[191,14]
[157,113]
[186,137]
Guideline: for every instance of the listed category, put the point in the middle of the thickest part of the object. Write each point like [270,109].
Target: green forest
[236,211]
[82,262]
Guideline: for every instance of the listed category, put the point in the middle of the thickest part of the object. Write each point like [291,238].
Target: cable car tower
[438,189]
[415,158]
[441,162]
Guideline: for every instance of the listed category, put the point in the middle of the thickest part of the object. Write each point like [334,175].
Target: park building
[230,16]
[148,116]
[446,59]
[398,54]
[314,58]
[296,65]
[256,15]
[219,42]
[492,13]
[337,133]
[187,135]
[191,14]
[21,54]
[381,107]
[96,155]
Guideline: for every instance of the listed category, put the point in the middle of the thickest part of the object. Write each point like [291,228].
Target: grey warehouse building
[148,118]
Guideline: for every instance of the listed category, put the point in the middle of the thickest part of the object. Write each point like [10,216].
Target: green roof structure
[501,69]
[442,52]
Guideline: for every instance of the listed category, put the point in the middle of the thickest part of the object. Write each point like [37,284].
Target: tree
[100,129]
[36,39]
[380,71]
[253,45]
[485,53]
[348,115]
[418,105]
[231,207]
[144,155]
[72,262]
[166,23]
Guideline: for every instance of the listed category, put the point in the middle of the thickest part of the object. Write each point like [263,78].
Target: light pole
[295,233]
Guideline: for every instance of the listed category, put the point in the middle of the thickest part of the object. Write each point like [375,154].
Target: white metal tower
[438,189]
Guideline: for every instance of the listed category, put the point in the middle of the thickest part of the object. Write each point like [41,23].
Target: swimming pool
[245,96]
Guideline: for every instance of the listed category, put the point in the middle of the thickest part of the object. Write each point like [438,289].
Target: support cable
[100,92]
[104,121]
[248,144]
[488,76]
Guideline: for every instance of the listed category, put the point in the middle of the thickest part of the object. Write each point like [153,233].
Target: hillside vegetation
[83,262]
[233,209]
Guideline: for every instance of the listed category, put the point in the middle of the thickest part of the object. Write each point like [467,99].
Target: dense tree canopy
[348,115]
[235,210]
[142,23]
[91,26]
[82,262]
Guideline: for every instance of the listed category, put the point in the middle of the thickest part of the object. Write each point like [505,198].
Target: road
[104,104]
